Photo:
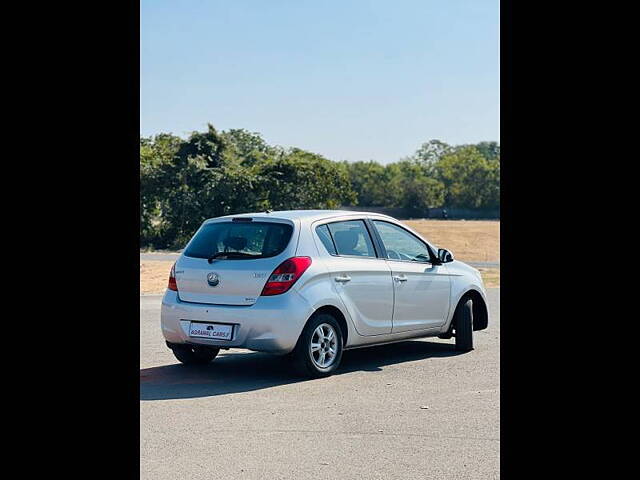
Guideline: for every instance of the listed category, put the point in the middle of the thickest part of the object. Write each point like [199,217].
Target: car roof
[303,214]
[310,216]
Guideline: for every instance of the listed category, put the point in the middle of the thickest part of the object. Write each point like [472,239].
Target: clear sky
[350,79]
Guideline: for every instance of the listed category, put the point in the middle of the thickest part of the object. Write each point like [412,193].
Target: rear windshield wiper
[231,255]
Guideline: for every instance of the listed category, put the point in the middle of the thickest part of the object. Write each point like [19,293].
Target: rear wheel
[319,349]
[194,354]
[464,326]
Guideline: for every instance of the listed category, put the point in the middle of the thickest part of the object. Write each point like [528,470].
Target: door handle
[399,278]
[343,279]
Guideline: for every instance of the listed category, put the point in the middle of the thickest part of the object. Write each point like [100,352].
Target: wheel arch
[338,315]
[480,309]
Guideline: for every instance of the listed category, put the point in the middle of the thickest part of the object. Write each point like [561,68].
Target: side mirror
[445,256]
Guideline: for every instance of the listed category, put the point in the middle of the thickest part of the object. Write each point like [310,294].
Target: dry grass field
[469,241]
[154,276]
[490,276]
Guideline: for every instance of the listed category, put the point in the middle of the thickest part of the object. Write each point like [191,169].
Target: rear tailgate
[233,281]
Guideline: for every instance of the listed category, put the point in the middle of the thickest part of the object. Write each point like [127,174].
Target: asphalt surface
[174,256]
[415,409]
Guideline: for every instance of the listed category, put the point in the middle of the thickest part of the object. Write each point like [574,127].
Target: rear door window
[245,240]
[352,238]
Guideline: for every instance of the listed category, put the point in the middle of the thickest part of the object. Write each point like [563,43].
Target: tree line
[213,173]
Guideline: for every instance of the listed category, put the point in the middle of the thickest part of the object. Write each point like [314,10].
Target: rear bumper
[272,324]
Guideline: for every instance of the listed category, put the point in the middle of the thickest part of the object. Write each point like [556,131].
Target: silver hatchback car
[313,283]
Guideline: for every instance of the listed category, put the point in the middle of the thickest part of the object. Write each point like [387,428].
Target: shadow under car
[244,372]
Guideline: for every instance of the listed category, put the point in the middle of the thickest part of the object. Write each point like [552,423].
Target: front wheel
[464,326]
[319,349]
[194,354]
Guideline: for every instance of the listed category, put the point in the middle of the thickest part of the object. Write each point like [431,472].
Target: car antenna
[267,211]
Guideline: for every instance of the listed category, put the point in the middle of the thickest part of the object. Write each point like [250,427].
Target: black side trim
[381,252]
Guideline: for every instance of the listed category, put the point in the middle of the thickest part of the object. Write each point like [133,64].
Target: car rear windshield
[251,239]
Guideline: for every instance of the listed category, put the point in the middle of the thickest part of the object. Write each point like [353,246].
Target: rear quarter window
[325,238]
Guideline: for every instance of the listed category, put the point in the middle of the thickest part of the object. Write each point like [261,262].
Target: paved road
[246,416]
[484,264]
[174,256]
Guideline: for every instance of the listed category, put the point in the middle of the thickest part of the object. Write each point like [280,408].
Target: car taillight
[172,279]
[285,275]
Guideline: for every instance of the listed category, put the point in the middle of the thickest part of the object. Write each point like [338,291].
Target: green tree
[247,147]
[393,182]
[422,193]
[470,179]
[368,182]
[297,179]
[489,150]
[210,146]
[431,152]
[155,153]
[417,189]
[184,182]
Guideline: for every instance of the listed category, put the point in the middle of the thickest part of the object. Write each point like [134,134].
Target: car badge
[213,279]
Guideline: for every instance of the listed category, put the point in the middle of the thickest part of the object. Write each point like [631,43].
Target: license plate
[210,330]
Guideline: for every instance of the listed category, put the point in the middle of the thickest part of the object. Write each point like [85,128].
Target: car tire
[312,351]
[194,354]
[464,326]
